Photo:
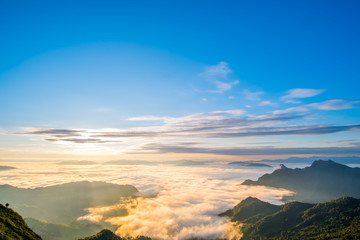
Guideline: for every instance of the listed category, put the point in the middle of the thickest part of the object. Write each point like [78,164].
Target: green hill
[71,231]
[13,226]
[53,211]
[338,219]
[66,202]
[109,235]
[322,181]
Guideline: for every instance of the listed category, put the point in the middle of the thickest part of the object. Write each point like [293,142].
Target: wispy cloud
[252,96]
[81,140]
[266,103]
[336,104]
[218,75]
[235,112]
[218,124]
[297,93]
[185,148]
[221,70]
[148,118]
[224,86]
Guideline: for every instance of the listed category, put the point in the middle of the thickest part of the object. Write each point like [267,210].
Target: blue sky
[179,79]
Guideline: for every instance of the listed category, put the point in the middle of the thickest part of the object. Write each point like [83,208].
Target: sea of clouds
[175,202]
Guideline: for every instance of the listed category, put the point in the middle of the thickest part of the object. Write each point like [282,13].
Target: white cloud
[185,202]
[266,103]
[235,112]
[204,99]
[218,124]
[148,118]
[292,101]
[252,96]
[220,70]
[301,93]
[224,86]
[231,97]
[217,74]
[336,104]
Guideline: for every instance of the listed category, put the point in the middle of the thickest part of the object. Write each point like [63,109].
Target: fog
[175,202]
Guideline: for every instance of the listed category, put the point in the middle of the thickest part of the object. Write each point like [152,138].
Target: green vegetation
[13,226]
[53,211]
[66,202]
[251,208]
[322,181]
[52,231]
[338,219]
[109,235]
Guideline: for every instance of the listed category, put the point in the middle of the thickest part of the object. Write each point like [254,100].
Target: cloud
[221,70]
[336,104]
[218,124]
[218,74]
[81,140]
[54,132]
[224,86]
[183,204]
[235,112]
[148,118]
[266,103]
[176,202]
[300,93]
[184,148]
[252,96]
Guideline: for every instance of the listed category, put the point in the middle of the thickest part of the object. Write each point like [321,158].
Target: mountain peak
[326,163]
[282,167]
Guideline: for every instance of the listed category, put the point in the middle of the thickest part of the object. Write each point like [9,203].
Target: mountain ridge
[336,219]
[13,226]
[320,182]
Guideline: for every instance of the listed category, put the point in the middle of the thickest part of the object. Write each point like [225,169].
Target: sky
[173,80]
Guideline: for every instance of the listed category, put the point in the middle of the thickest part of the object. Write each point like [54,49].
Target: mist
[174,202]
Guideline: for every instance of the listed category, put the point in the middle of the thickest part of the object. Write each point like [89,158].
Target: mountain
[74,162]
[109,235]
[251,207]
[322,181]
[53,231]
[337,219]
[249,164]
[70,199]
[309,160]
[13,226]
[4,168]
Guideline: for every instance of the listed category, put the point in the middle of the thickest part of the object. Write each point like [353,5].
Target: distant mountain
[53,231]
[74,162]
[131,162]
[186,163]
[109,235]
[249,164]
[4,168]
[151,163]
[13,226]
[70,199]
[322,181]
[338,219]
[342,160]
